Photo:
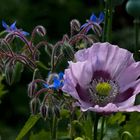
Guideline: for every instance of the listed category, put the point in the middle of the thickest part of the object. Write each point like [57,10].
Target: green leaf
[133,125]
[28,125]
[42,135]
[41,65]
[2,91]
[117,118]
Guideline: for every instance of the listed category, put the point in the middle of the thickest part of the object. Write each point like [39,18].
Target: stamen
[103,92]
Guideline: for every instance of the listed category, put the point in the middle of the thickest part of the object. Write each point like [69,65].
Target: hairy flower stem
[102,128]
[136,27]
[3,32]
[53,128]
[71,127]
[108,21]
[110,16]
[95,126]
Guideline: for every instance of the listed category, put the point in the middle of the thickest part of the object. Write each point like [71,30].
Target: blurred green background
[55,16]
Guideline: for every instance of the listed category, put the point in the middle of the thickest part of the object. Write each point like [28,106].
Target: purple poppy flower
[104,79]
[13,28]
[93,21]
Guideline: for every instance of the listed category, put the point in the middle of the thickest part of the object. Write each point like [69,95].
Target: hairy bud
[41,30]
[68,51]
[34,105]
[9,74]
[13,72]
[31,89]
[75,26]
[44,111]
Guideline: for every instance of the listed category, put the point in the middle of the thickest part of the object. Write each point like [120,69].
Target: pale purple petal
[70,87]
[135,85]
[129,102]
[108,57]
[131,109]
[123,96]
[127,91]
[82,72]
[108,108]
[130,74]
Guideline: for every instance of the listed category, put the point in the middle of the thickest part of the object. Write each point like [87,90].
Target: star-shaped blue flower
[13,28]
[93,19]
[57,82]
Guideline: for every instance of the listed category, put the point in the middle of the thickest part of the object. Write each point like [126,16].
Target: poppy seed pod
[133,8]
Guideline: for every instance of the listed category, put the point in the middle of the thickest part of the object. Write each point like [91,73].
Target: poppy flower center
[103,91]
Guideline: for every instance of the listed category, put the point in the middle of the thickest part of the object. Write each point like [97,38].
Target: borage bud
[75,26]
[34,105]
[31,89]
[68,51]
[41,30]
[44,111]
[56,111]
[9,69]
[13,72]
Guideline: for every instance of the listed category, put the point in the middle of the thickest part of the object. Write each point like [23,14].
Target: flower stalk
[102,128]
[95,126]
[136,28]
[54,128]
[107,33]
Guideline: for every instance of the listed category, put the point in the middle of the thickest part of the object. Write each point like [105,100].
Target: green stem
[108,21]
[53,128]
[105,23]
[95,130]
[102,128]
[136,26]
[1,33]
[109,25]
[71,134]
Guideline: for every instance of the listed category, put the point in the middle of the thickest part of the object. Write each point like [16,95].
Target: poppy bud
[133,8]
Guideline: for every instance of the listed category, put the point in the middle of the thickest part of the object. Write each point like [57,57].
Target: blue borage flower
[93,19]
[57,82]
[13,28]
